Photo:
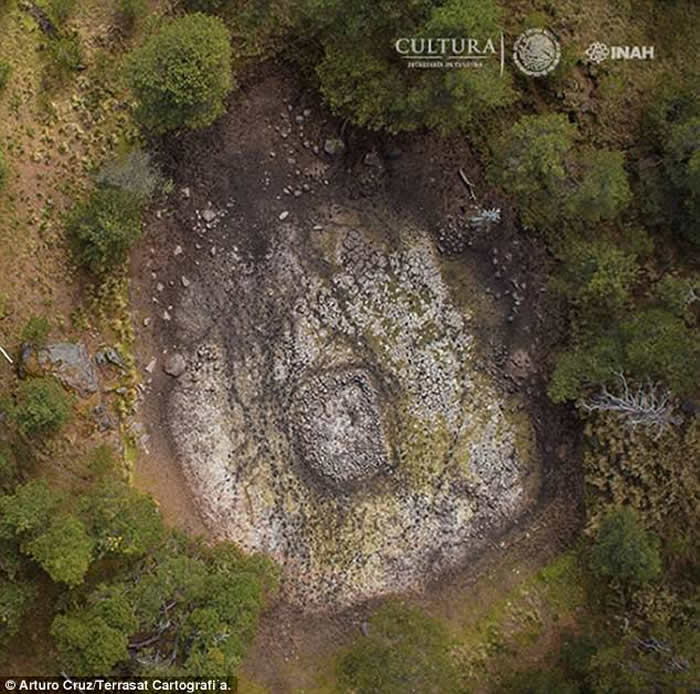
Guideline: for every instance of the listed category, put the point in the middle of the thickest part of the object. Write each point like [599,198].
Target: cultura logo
[448,52]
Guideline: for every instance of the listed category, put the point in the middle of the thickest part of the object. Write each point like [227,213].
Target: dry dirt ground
[271,134]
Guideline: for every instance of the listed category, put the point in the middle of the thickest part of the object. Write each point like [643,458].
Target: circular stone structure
[337,430]
[332,415]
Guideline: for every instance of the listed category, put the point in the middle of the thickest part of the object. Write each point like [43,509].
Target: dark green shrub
[624,551]
[183,74]
[3,170]
[36,330]
[5,71]
[65,54]
[60,10]
[130,12]
[43,407]
[209,6]
[103,229]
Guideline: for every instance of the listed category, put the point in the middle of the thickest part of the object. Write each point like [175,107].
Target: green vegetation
[3,170]
[185,607]
[537,163]
[183,74]
[624,551]
[104,227]
[405,651]
[363,78]
[5,72]
[36,330]
[43,407]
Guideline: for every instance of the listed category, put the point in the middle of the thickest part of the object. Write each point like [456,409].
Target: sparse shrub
[130,12]
[104,227]
[3,170]
[60,10]
[65,57]
[182,75]
[43,407]
[5,71]
[133,172]
[36,330]
[406,651]
[624,551]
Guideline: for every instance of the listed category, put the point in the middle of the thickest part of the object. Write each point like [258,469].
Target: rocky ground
[340,392]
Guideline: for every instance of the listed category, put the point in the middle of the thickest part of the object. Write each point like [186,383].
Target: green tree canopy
[63,550]
[104,227]
[43,407]
[363,78]
[183,74]
[623,550]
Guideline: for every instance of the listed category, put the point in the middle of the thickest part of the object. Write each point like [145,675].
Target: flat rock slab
[67,362]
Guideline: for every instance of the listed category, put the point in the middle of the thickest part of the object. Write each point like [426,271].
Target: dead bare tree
[648,405]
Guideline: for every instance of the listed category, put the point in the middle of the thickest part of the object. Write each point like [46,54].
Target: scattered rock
[151,365]
[333,146]
[208,215]
[284,215]
[166,316]
[177,251]
[110,356]
[185,282]
[175,365]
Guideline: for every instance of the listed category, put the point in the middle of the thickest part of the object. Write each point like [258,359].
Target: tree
[15,600]
[64,550]
[531,164]
[536,163]
[28,509]
[406,651]
[364,79]
[87,644]
[121,520]
[602,190]
[624,551]
[104,227]
[43,407]
[183,74]
[597,277]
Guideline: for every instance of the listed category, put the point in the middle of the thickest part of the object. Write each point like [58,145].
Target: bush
[624,551]
[65,57]
[5,71]
[130,12]
[133,172]
[103,229]
[43,407]
[36,330]
[3,170]
[182,75]
[60,10]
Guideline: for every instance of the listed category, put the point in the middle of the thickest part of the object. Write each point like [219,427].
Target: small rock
[284,215]
[177,251]
[175,365]
[160,287]
[334,146]
[208,215]
[307,112]
[212,251]
[150,367]
[166,316]
[185,282]
[374,160]
[186,193]
[146,322]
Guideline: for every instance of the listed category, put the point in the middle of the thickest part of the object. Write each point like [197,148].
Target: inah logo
[536,52]
[597,52]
